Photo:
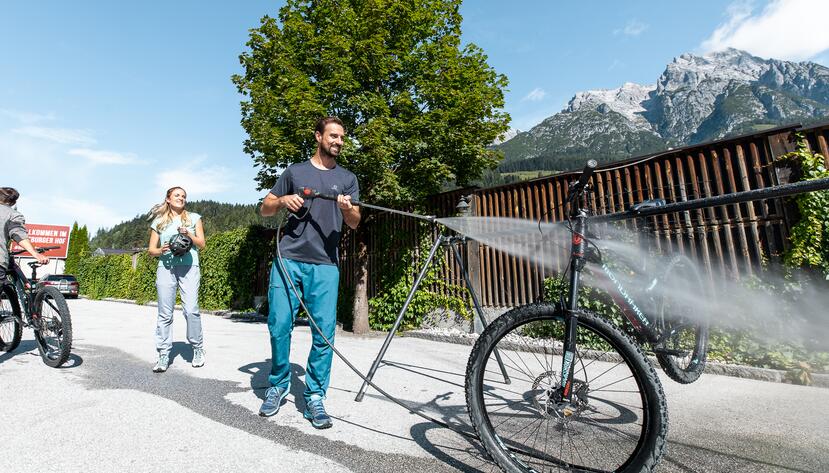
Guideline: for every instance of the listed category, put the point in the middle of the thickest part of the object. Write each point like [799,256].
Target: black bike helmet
[180,244]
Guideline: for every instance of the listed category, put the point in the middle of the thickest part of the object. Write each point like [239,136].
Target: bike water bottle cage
[180,244]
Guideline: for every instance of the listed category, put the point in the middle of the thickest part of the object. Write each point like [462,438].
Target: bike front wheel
[617,419]
[53,326]
[11,328]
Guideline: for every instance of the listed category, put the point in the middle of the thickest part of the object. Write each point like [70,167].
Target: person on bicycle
[309,246]
[170,223]
[14,228]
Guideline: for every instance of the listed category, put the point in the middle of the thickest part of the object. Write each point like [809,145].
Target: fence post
[473,259]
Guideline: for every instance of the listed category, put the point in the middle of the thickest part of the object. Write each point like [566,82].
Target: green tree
[419,108]
[78,248]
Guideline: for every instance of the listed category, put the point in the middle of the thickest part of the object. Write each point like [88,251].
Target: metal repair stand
[452,242]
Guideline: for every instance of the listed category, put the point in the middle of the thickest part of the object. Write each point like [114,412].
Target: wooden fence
[737,238]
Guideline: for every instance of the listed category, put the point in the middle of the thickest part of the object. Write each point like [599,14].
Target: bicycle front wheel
[617,418]
[11,329]
[53,326]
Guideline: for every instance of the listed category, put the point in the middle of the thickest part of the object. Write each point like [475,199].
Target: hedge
[229,265]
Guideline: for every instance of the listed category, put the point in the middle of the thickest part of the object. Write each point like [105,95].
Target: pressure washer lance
[310,193]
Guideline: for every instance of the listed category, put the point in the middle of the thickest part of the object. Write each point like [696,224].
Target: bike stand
[451,241]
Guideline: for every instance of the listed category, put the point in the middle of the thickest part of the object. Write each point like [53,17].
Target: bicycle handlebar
[40,249]
[587,172]
[577,187]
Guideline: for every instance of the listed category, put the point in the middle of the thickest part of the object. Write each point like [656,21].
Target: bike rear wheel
[681,324]
[617,419]
[11,329]
[53,326]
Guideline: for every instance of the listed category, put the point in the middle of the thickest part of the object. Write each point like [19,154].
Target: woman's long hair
[164,214]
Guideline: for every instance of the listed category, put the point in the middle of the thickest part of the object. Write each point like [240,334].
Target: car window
[58,277]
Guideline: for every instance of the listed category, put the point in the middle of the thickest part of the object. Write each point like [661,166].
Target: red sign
[47,235]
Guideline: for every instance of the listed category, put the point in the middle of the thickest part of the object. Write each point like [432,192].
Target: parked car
[67,284]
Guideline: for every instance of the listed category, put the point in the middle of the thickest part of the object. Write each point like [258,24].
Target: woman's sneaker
[162,364]
[198,357]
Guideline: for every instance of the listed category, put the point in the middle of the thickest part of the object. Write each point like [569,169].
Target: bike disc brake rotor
[548,399]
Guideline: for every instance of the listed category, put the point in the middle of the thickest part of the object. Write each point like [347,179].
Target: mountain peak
[697,98]
[625,100]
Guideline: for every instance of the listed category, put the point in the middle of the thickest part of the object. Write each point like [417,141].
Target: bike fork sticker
[565,370]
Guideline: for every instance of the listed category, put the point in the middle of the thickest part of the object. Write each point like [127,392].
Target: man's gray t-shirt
[314,236]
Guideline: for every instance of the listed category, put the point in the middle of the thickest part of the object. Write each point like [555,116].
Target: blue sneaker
[315,412]
[273,399]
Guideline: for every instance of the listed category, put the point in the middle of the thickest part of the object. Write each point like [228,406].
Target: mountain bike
[43,308]
[583,395]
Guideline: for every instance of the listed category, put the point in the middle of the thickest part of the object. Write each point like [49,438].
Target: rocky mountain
[696,99]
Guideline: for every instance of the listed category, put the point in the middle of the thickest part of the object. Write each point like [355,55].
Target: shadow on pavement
[25,346]
[109,368]
[259,381]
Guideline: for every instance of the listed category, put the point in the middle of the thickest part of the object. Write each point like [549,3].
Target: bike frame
[621,296]
[23,287]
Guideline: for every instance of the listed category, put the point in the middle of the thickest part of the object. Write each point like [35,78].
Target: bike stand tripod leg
[478,307]
[393,330]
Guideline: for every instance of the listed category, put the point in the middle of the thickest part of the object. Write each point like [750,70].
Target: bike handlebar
[40,249]
[577,187]
[587,172]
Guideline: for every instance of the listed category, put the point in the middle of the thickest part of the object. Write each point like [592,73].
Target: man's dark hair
[323,122]
[8,195]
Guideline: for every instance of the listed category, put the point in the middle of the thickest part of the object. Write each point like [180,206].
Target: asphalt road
[106,410]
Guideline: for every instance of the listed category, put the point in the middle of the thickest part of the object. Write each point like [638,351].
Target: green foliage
[216,217]
[419,109]
[229,265]
[810,236]
[398,276]
[230,262]
[78,248]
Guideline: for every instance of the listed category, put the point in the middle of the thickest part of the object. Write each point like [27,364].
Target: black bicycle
[583,396]
[43,308]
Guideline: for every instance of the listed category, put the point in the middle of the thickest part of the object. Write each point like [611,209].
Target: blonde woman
[181,272]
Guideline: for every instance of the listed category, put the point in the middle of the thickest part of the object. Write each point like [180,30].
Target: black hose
[341,356]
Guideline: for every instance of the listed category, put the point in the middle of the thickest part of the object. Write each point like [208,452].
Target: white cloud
[27,117]
[785,29]
[57,135]
[52,209]
[195,178]
[535,95]
[632,28]
[104,157]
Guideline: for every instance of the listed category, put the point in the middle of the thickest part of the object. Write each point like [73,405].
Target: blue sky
[103,105]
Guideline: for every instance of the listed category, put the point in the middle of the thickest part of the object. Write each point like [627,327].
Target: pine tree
[78,248]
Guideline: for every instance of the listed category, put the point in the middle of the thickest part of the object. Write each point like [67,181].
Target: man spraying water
[309,247]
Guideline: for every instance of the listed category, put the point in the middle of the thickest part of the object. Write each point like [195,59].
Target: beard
[330,151]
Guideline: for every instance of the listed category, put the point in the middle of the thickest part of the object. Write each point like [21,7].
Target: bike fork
[571,321]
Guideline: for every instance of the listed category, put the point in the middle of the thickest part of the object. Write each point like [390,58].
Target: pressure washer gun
[308,193]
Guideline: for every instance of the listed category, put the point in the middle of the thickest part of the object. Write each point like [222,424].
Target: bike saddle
[647,204]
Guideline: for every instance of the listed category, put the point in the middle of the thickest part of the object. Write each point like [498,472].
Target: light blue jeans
[318,284]
[186,279]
